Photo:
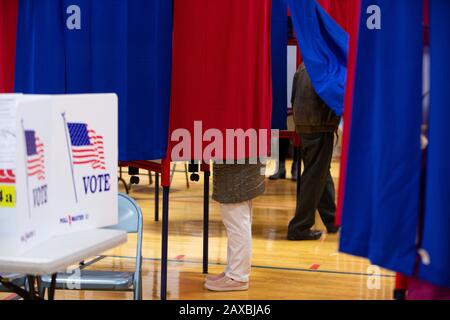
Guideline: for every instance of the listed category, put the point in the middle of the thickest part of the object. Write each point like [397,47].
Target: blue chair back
[130,215]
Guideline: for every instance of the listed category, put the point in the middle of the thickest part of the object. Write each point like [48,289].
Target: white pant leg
[237,219]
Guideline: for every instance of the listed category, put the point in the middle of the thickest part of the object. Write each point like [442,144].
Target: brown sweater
[311,114]
[235,183]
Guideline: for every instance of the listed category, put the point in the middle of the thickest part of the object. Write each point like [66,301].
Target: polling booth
[58,158]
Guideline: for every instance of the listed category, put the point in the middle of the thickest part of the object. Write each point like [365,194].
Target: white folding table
[55,255]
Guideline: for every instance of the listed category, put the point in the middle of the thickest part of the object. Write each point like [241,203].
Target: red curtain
[347,14]
[8,28]
[342,11]
[221,65]
[352,10]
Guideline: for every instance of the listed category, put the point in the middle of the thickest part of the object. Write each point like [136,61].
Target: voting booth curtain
[279,64]
[342,11]
[226,54]
[118,46]
[125,47]
[221,67]
[381,201]
[436,224]
[324,49]
[352,16]
[394,212]
[8,27]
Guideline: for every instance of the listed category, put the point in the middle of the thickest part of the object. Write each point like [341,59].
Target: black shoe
[281,174]
[332,228]
[306,235]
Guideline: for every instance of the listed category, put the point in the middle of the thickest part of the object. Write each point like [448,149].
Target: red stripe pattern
[7,176]
[36,162]
[93,154]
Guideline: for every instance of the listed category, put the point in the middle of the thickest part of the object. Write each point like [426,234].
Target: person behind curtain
[285,145]
[281,172]
[234,187]
[316,124]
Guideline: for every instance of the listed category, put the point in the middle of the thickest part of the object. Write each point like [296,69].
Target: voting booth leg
[207,175]
[165,240]
[156,197]
[121,179]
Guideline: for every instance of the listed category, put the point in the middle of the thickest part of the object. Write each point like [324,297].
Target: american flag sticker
[7,176]
[35,155]
[87,146]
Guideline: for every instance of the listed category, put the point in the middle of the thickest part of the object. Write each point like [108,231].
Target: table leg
[17,290]
[207,175]
[165,239]
[51,290]
[32,287]
[40,288]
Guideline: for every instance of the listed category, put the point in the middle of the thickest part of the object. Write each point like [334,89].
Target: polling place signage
[58,157]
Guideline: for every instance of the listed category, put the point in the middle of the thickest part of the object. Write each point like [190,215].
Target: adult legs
[327,205]
[317,150]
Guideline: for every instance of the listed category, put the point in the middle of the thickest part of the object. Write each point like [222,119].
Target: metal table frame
[54,255]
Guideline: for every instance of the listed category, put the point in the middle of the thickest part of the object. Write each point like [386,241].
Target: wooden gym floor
[311,270]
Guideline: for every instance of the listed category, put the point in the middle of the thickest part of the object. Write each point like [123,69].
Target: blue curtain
[40,61]
[436,235]
[324,48]
[381,202]
[279,64]
[121,46]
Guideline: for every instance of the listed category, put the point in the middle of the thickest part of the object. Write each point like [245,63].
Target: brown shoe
[213,278]
[226,284]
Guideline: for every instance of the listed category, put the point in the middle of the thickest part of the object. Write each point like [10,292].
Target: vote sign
[87,138]
[25,165]
[58,161]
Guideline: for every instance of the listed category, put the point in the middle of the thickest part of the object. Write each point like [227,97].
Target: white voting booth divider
[58,162]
